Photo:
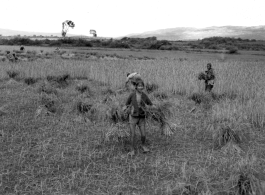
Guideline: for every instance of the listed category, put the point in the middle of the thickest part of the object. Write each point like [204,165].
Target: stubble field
[58,135]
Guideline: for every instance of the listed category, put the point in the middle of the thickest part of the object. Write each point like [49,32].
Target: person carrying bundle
[22,48]
[136,104]
[209,77]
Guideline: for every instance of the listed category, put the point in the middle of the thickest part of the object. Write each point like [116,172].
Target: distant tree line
[140,43]
[213,43]
[228,43]
[45,42]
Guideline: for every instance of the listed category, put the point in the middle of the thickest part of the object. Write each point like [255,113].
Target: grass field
[56,136]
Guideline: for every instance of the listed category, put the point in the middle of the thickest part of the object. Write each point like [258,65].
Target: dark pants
[208,87]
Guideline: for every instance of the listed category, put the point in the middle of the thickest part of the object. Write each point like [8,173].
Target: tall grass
[242,79]
[245,78]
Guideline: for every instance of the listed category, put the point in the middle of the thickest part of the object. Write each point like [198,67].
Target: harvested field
[62,129]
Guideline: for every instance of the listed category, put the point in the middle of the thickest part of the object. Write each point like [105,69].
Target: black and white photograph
[132,97]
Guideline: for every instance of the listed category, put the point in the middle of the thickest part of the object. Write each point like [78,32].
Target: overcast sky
[112,18]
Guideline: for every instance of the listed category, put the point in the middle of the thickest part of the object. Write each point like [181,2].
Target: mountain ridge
[191,33]
[173,34]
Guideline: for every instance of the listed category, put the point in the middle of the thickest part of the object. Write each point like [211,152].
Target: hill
[172,34]
[181,33]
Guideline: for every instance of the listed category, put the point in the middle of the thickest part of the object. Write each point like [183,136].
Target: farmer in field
[131,78]
[22,48]
[208,76]
[136,104]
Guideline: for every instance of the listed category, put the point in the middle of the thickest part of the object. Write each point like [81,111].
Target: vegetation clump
[116,115]
[151,87]
[232,50]
[60,81]
[82,88]
[198,98]
[30,80]
[212,43]
[160,95]
[224,135]
[108,91]
[12,74]
[50,103]
[47,88]
[83,107]
[244,184]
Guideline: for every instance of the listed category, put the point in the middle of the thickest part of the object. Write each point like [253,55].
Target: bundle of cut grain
[160,113]
[201,76]
[223,135]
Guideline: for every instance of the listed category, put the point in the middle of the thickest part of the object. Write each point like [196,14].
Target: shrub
[49,102]
[84,43]
[47,88]
[117,44]
[213,47]
[33,52]
[199,98]
[150,87]
[108,91]
[223,135]
[83,88]
[59,81]
[55,43]
[83,107]
[232,50]
[30,80]
[161,95]
[115,115]
[196,97]
[244,184]
[232,95]
[12,74]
